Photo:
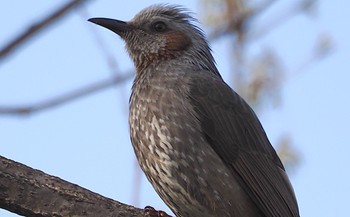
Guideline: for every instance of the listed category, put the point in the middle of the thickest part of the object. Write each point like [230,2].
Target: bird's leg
[151,212]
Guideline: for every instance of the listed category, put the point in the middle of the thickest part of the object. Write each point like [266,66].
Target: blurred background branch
[66,97]
[39,26]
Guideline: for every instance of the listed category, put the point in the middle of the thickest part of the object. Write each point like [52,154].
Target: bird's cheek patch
[177,41]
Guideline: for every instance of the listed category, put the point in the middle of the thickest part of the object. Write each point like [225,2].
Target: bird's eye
[159,26]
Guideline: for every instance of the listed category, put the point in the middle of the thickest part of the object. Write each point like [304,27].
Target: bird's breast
[174,155]
[149,129]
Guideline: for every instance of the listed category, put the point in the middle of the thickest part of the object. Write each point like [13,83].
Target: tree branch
[238,21]
[299,6]
[35,28]
[64,98]
[31,192]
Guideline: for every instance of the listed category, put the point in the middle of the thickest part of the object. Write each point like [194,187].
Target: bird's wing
[234,132]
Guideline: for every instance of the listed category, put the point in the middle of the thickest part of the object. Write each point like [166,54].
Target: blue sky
[87,141]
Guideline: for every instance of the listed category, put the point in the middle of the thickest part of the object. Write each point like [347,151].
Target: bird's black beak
[117,26]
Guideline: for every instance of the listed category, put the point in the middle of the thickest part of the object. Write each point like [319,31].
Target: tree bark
[31,192]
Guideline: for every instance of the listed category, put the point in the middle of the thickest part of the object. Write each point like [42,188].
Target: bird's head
[161,32]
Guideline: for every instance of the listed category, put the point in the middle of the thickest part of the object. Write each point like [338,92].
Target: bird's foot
[151,212]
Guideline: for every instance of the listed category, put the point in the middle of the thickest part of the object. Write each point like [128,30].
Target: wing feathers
[236,135]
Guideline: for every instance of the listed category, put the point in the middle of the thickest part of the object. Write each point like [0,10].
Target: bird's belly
[188,175]
[180,164]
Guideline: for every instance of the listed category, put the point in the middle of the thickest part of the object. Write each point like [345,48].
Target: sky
[86,142]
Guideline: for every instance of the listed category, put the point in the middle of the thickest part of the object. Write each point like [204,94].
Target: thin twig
[65,98]
[36,27]
[107,52]
[282,18]
[241,17]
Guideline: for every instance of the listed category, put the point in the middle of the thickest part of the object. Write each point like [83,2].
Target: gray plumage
[199,143]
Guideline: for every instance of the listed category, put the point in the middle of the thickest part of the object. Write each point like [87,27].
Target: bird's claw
[151,212]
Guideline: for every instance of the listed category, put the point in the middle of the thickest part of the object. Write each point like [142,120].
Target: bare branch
[31,192]
[35,28]
[109,56]
[65,98]
[300,6]
[238,20]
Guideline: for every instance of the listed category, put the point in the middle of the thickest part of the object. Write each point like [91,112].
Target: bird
[199,143]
